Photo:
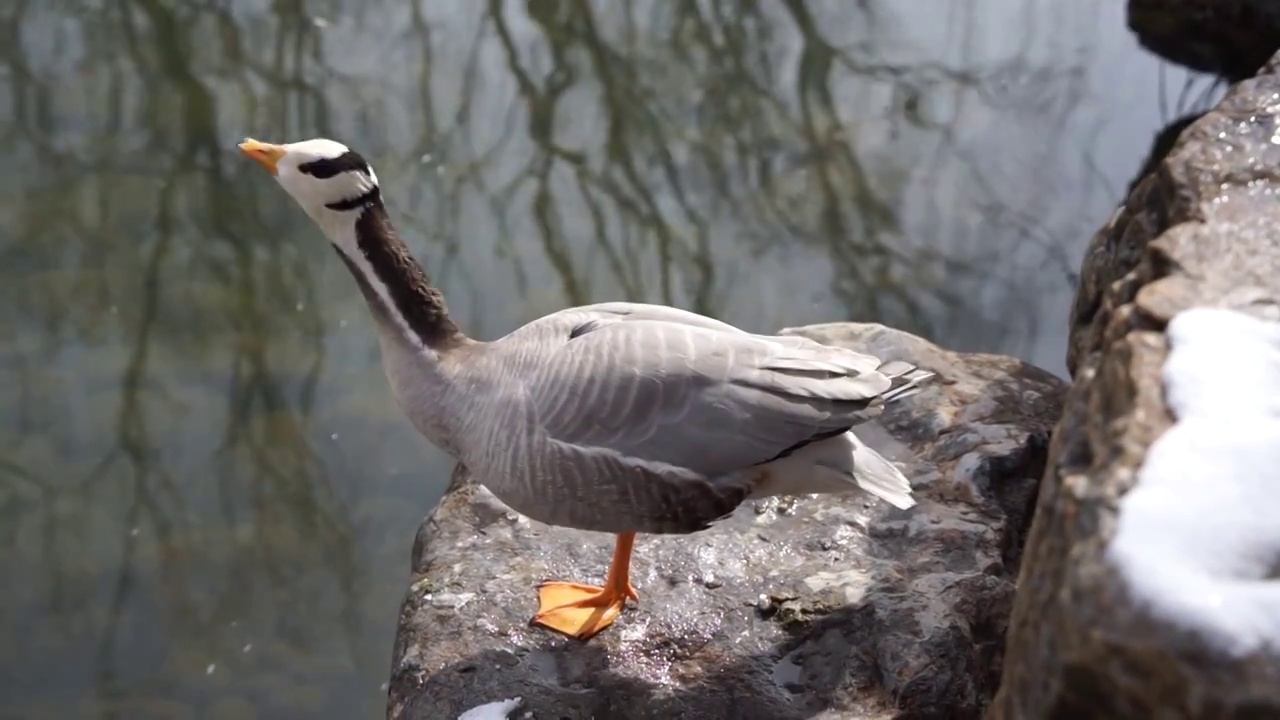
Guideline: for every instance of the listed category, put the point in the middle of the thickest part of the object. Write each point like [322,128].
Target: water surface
[207,495]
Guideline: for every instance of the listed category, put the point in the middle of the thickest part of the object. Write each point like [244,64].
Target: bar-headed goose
[616,417]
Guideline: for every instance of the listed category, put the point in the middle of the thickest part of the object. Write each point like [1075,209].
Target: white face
[325,177]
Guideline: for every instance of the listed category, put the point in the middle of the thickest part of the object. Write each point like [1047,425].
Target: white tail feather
[837,465]
[843,463]
[880,477]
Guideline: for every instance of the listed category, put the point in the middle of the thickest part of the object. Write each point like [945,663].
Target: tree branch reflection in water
[202,457]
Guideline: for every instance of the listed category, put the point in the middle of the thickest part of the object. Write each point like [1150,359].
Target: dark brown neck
[408,290]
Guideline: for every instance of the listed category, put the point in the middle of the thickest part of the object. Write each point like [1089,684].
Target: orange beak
[265,153]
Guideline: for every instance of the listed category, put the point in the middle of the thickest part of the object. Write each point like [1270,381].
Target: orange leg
[581,611]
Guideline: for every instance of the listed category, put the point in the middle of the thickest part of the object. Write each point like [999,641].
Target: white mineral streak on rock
[498,710]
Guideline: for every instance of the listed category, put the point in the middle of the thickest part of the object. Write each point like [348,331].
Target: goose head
[331,182]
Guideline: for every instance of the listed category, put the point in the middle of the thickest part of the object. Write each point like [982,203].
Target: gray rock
[1229,38]
[1201,230]
[792,608]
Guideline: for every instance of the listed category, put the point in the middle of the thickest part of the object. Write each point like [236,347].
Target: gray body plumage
[614,417]
[620,416]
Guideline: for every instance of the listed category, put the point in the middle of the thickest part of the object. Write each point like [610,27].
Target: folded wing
[693,404]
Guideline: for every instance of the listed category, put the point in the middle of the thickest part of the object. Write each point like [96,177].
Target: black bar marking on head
[372,196]
[328,167]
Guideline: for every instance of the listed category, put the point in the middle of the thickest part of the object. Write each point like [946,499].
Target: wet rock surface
[1161,144]
[792,608]
[1229,38]
[1203,229]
